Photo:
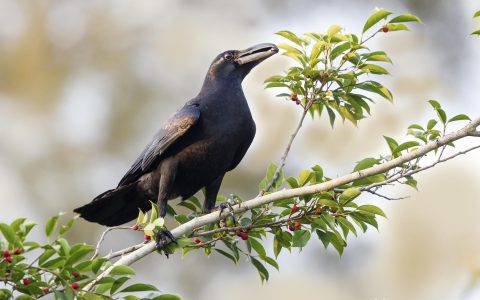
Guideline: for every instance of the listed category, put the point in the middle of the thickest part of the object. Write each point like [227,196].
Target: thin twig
[102,237]
[385,197]
[123,251]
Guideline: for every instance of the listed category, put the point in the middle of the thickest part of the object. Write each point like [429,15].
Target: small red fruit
[26,281]
[297,224]
[135,227]
[244,236]
[46,290]
[295,208]
[291,227]
[75,274]
[196,240]
[147,237]
[75,285]
[8,259]
[6,253]
[238,232]
[294,97]
[385,28]
[17,251]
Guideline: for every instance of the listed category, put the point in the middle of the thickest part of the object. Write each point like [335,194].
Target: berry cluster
[295,99]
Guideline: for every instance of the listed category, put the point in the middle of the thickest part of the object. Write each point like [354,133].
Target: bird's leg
[167,177]
[211,192]
[228,204]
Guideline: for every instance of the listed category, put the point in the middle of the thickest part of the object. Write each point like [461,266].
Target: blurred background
[85,84]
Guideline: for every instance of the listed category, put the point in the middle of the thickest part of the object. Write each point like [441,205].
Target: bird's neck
[219,85]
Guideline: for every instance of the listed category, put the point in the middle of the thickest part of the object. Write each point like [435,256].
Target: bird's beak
[256,53]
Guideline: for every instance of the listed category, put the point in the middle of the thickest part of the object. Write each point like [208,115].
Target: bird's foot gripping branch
[331,78]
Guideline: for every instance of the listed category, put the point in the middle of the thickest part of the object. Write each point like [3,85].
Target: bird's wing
[173,129]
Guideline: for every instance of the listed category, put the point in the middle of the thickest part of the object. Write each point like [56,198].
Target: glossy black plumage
[202,141]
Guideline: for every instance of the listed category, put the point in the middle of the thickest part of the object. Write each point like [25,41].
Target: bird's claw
[162,239]
[225,205]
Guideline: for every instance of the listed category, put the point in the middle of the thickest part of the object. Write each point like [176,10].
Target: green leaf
[227,255]
[431,124]
[66,227]
[97,263]
[442,115]
[411,182]
[343,221]
[139,287]
[461,117]
[9,235]
[167,297]
[405,18]
[290,36]
[372,209]
[366,163]
[154,212]
[339,50]
[78,254]
[434,104]
[277,247]
[257,246]
[377,88]
[476,32]
[392,144]
[270,261]
[331,115]
[374,69]
[477,14]
[375,18]
[54,263]
[304,177]
[349,194]
[333,29]
[300,238]
[122,270]
[397,27]
[404,146]
[51,225]
[323,237]
[262,271]
[118,283]
[337,242]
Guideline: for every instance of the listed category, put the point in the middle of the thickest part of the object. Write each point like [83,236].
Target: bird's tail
[115,207]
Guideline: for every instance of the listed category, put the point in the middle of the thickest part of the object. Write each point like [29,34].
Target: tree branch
[197,222]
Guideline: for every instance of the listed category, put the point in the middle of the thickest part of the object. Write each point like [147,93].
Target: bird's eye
[228,56]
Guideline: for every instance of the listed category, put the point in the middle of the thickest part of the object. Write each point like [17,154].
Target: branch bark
[186,228]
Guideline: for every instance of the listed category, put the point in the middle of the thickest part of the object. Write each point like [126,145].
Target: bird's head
[236,64]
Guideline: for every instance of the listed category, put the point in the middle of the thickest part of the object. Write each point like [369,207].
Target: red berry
[46,290]
[75,274]
[75,285]
[6,253]
[8,259]
[297,224]
[295,208]
[26,281]
[294,97]
[17,251]
[147,237]
[135,227]
[238,232]
[196,240]
[291,227]
[244,236]
[385,28]
[297,102]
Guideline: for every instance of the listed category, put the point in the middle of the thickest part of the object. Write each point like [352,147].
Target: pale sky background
[85,84]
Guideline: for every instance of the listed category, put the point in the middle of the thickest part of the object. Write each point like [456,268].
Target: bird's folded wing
[174,128]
